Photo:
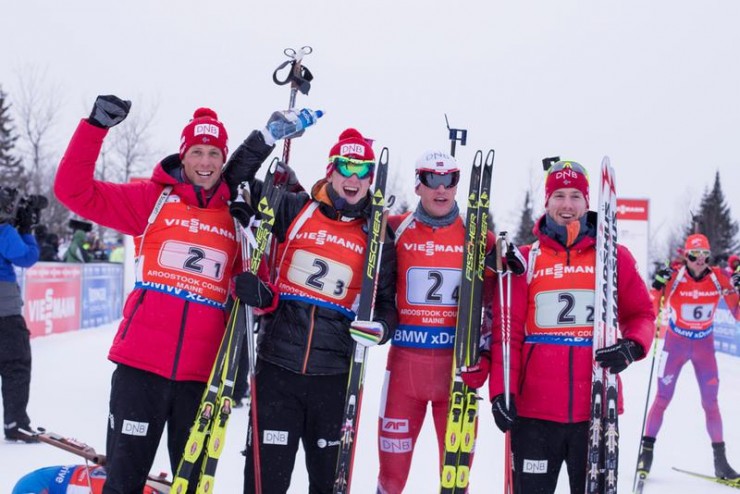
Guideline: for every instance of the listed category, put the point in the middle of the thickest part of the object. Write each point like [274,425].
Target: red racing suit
[552,324]
[419,367]
[692,306]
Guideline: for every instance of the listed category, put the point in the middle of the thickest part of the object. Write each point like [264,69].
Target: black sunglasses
[434,180]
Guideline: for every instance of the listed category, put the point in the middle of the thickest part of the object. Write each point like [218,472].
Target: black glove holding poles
[253,291]
[662,277]
[503,416]
[617,357]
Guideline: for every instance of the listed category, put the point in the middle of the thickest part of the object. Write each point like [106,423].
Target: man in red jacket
[551,329]
[174,319]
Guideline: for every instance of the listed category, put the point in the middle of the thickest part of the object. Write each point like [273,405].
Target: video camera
[12,204]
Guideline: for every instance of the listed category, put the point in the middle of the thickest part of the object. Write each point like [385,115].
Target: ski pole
[299,78]
[246,252]
[658,321]
[505,304]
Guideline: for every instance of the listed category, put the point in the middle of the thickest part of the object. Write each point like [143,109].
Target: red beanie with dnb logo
[351,144]
[567,175]
[206,129]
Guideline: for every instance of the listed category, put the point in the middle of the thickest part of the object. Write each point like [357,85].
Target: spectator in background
[76,251]
[17,248]
[118,253]
[49,248]
[97,250]
[733,263]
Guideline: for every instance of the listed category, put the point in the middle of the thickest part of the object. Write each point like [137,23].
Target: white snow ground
[70,392]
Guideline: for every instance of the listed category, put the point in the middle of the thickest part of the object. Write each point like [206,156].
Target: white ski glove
[367,333]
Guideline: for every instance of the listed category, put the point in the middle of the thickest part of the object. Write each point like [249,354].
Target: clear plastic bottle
[281,128]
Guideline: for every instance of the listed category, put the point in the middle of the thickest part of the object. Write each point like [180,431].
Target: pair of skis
[463,404]
[603,438]
[207,436]
[353,400]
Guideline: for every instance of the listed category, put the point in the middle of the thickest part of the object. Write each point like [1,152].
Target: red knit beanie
[696,241]
[351,144]
[566,175]
[205,129]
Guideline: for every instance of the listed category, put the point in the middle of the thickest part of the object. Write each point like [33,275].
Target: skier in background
[168,339]
[692,296]
[305,345]
[419,367]
[552,310]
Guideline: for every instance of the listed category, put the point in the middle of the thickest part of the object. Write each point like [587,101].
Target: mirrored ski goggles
[350,166]
[434,180]
[565,165]
[693,255]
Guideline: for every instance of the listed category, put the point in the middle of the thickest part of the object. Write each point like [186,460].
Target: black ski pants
[141,405]
[540,447]
[293,408]
[15,370]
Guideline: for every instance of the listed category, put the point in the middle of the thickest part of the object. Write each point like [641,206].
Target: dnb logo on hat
[206,129]
[352,148]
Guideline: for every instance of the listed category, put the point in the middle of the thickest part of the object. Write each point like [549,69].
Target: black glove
[662,276]
[108,111]
[253,291]
[736,280]
[503,416]
[24,220]
[514,260]
[617,357]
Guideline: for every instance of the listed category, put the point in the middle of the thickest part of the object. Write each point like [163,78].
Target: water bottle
[281,127]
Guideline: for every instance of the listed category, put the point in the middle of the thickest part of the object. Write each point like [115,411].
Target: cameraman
[17,247]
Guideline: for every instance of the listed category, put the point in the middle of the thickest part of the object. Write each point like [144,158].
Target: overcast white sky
[655,85]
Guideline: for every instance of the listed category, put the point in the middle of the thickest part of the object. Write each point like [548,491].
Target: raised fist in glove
[108,111]
[503,416]
[617,357]
[662,276]
[24,220]
[475,376]
[368,333]
[253,291]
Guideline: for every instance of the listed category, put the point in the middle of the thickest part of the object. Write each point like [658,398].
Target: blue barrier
[726,331]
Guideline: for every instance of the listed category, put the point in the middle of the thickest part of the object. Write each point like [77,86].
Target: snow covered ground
[70,391]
